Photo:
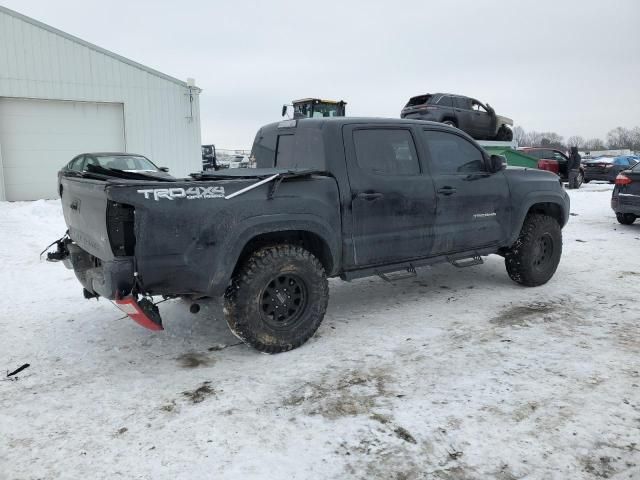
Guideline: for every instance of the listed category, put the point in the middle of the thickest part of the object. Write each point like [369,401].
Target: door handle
[370,196]
[447,191]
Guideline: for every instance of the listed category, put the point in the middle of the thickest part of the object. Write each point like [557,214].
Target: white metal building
[61,96]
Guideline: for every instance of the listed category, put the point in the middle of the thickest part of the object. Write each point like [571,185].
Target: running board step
[393,275]
[466,262]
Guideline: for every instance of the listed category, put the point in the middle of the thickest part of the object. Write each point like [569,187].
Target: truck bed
[128,232]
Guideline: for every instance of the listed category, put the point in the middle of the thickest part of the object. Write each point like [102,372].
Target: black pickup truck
[339,197]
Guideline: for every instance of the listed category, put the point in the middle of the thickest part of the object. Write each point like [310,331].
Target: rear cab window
[284,151]
[386,151]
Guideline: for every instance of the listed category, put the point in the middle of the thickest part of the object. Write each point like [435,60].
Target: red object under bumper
[145,315]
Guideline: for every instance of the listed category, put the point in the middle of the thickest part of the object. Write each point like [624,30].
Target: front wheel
[626,218]
[505,134]
[277,299]
[534,257]
[451,123]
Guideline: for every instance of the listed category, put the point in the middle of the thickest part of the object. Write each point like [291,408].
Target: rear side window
[445,101]
[284,151]
[451,154]
[460,102]
[386,151]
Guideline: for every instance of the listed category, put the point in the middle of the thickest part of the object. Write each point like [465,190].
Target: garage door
[37,137]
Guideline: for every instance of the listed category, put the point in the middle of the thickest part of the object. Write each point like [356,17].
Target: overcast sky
[567,66]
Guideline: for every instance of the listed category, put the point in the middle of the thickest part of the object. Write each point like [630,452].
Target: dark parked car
[468,114]
[625,199]
[607,168]
[335,197]
[554,161]
[114,161]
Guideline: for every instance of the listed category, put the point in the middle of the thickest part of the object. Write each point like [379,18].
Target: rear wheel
[451,123]
[626,218]
[277,299]
[534,257]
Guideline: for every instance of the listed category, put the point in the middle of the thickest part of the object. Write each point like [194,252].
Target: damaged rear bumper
[110,279]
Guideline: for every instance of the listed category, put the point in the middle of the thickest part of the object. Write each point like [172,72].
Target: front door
[392,203]
[472,203]
[482,123]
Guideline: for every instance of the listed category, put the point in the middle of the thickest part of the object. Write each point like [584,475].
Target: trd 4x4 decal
[190,193]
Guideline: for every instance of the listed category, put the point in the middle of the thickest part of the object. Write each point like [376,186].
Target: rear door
[472,203]
[392,203]
[463,113]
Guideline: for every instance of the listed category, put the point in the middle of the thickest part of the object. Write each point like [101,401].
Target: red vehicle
[553,160]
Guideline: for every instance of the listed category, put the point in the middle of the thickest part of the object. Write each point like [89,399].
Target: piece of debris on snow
[199,394]
[18,370]
[404,434]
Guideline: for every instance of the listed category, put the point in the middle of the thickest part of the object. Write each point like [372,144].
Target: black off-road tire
[626,218]
[534,257]
[269,278]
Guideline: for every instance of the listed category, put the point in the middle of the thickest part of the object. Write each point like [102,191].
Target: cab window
[386,151]
[452,154]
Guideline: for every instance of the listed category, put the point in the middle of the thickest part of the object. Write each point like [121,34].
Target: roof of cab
[318,122]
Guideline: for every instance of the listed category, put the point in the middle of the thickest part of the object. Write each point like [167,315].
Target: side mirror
[497,163]
[163,169]
[284,110]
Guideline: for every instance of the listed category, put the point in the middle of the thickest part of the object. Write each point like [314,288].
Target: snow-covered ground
[455,374]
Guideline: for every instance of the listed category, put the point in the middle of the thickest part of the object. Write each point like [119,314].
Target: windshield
[123,162]
[323,110]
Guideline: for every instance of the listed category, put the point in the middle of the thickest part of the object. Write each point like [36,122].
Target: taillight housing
[120,228]
[622,179]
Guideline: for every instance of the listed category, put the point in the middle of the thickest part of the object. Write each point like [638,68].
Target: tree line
[617,139]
